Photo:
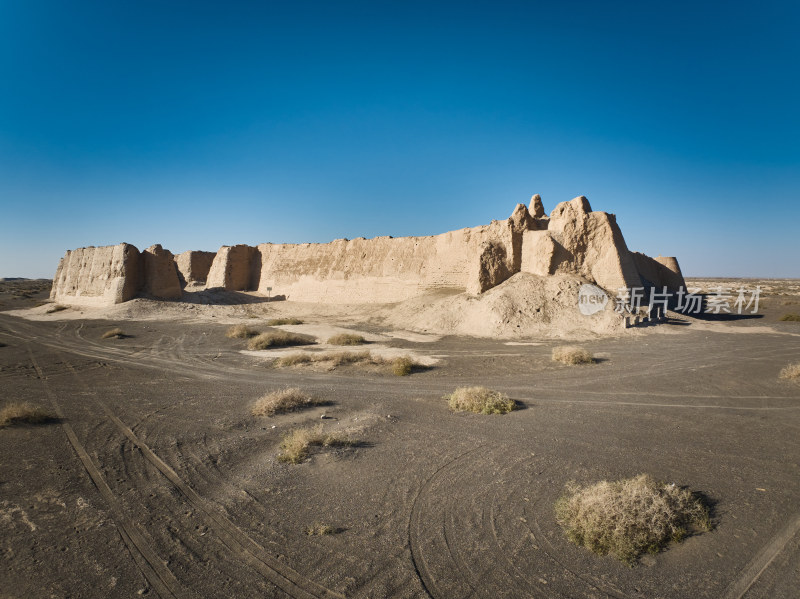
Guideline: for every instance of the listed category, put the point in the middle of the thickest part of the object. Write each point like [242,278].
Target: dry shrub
[790,318]
[241,331]
[347,339]
[282,401]
[479,400]
[318,529]
[571,355]
[296,444]
[56,308]
[791,372]
[278,339]
[23,413]
[279,321]
[630,517]
[403,366]
[116,333]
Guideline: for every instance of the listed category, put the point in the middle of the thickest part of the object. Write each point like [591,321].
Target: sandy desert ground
[155,479]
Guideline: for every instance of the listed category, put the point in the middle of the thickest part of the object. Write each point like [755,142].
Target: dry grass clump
[630,517]
[116,333]
[297,443]
[23,413]
[791,372]
[479,400]
[241,331]
[298,358]
[351,357]
[401,366]
[790,318]
[278,339]
[282,401]
[318,529]
[279,321]
[571,355]
[56,308]
[333,358]
[347,339]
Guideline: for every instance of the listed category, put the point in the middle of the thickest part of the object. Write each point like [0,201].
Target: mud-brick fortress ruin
[573,240]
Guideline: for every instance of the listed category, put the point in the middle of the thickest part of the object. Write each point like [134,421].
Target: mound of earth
[525,305]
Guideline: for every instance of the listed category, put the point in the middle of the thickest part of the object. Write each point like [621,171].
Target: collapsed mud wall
[572,240]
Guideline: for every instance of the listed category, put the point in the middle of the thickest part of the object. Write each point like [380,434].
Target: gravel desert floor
[153,478]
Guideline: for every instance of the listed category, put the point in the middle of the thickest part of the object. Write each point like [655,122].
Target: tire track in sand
[469,489]
[239,542]
[160,578]
[759,564]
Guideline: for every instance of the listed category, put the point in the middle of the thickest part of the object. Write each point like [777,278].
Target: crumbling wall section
[386,269]
[160,275]
[97,276]
[235,268]
[580,241]
[659,272]
[193,266]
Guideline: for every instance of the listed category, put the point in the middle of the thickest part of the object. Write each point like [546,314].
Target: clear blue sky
[196,124]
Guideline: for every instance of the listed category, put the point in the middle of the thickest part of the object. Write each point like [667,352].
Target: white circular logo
[591,299]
